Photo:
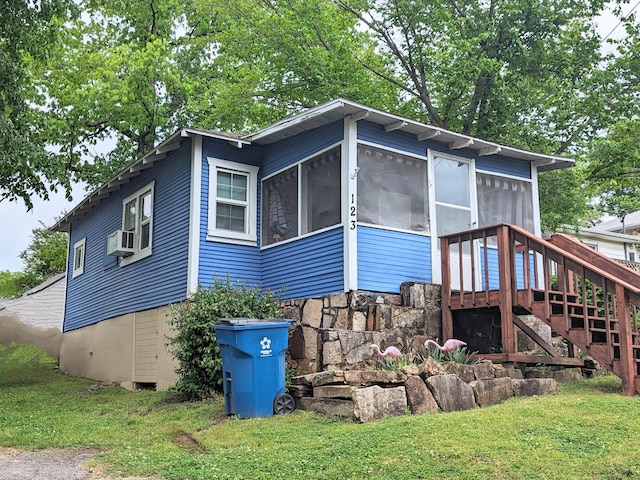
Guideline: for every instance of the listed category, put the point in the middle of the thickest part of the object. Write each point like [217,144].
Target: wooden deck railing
[577,292]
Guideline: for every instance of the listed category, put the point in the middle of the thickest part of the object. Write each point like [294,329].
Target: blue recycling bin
[253,365]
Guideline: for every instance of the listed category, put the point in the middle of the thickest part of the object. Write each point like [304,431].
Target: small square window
[232,202]
[78,257]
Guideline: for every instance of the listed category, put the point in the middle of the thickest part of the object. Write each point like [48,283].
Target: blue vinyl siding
[387,258]
[494,277]
[505,166]
[240,262]
[284,153]
[373,133]
[308,267]
[106,289]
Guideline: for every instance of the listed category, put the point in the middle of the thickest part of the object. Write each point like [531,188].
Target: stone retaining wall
[370,395]
[336,331]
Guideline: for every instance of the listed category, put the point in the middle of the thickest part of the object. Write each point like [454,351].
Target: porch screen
[504,200]
[302,199]
[392,189]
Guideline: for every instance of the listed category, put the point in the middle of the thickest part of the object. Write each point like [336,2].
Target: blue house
[338,198]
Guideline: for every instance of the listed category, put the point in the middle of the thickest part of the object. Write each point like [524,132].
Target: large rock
[373,403]
[310,343]
[419,398]
[451,393]
[374,377]
[492,391]
[327,406]
[430,368]
[405,317]
[359,322]
[320,378]
[483,370]
[465,372]
[534,386]
[331,353]
[312,313]
[334,391]
[568,375]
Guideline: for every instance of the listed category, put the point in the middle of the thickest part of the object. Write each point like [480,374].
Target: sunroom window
[392,189]
[232,202]
[302,199]
[504,200]
[137,215]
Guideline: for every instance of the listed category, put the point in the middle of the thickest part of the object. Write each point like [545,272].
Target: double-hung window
[137,217]
[232,202]
[78,257]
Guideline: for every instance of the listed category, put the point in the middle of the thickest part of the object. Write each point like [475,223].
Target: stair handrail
[476,233]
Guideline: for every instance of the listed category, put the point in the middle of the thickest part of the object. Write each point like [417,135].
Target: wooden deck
[590,300]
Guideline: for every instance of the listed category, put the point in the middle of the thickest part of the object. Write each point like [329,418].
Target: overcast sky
[16,223]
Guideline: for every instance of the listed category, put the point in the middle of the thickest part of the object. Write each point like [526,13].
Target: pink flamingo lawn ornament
[448,346]
[389,351]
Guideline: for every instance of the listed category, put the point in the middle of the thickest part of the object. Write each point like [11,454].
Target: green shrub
[193,343]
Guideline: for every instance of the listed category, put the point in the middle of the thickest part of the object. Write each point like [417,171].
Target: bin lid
[252,321]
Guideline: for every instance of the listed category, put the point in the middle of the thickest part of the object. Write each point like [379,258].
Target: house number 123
[353,213]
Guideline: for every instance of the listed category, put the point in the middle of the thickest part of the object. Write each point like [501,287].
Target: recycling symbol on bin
[265,344]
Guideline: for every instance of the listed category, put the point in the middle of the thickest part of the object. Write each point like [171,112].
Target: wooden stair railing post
[506,260]
[627,364]
[447,315]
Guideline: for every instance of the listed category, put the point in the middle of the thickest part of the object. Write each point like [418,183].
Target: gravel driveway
[50,465]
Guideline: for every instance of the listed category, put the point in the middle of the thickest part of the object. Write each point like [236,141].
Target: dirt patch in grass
[187,443]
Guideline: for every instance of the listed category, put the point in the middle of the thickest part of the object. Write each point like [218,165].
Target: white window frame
[139,253]
[298,165]
[249,236]
[79,253]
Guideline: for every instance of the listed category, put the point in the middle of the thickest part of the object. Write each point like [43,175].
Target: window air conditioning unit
[120,243]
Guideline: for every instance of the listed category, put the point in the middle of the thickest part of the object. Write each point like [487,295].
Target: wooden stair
[590,300]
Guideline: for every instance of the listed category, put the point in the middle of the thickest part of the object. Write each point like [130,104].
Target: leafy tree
[46,255]
[27,31]
[134,72]
[194,345]
[14,284]
[514,71]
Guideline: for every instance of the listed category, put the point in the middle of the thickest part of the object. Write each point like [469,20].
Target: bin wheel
[284,404]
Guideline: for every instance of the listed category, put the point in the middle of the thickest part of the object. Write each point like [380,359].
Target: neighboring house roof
[598,233]
[631,221]
[302,122]
[41,307]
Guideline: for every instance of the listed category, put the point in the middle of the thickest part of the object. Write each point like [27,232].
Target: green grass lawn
[588,430]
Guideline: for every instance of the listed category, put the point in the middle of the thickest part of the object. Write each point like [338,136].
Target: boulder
[334,391]
[492,391]
[419,397]
[483,370]
[534,386]
[373,403]
[568,375]
[465,372]
[331,353]
[312,312]
[327,406]
[451,393]
[320,378]
[373,377]
[430,367]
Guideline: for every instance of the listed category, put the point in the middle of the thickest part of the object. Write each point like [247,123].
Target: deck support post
[505,256]
[627,364]
[447,314]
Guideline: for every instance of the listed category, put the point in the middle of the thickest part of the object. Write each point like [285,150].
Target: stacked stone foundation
[371,395]
[337,331]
